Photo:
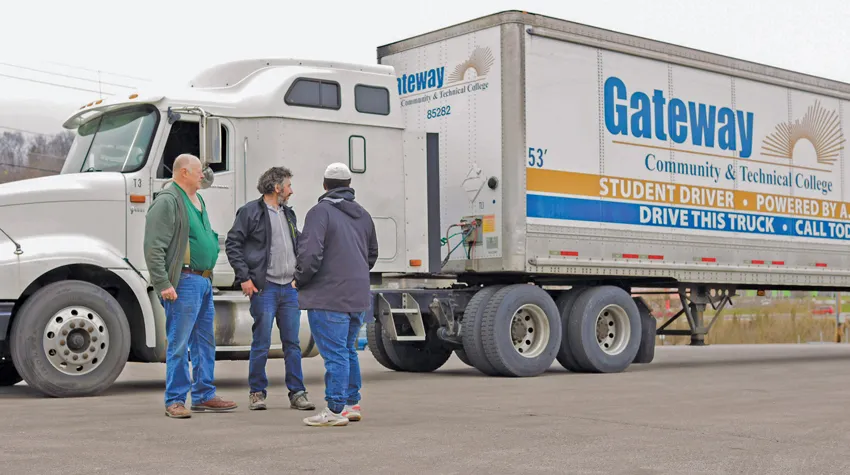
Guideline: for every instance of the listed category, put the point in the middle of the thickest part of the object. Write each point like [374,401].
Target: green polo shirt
[203,241]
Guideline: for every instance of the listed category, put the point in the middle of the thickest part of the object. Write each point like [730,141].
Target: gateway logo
[820,127]
[479,63]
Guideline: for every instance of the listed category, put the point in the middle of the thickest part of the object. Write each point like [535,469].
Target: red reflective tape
[657,258]
[757,262]
[778,263]
[820,264]
[709,259]
[631,256]
[569,253]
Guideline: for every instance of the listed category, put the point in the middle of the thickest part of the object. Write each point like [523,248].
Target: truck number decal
[535,156]
[439,112]
[137,182]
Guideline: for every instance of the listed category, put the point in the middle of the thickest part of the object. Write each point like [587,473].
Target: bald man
[181,250]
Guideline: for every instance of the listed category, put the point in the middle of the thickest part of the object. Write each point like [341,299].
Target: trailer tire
[375,343]
[566,302]
[646,350]
[418,356]
[473,345]
[9,375]
[521,330]
[612,310]
[461,355]
[98,339]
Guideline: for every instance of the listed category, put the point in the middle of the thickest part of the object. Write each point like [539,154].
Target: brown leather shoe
[178,411]
[216,404]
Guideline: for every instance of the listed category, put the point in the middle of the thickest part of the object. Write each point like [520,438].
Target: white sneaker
[352,413]
[326,418]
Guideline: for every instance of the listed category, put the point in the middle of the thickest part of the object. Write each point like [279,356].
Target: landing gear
[693,307]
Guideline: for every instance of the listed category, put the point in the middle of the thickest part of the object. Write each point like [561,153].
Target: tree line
[24,156]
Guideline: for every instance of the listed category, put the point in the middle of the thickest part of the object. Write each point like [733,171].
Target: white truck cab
[75,296]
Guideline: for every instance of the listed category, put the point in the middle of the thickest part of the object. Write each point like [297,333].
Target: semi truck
[529,177]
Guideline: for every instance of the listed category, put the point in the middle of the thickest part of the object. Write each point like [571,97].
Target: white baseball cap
[337,171]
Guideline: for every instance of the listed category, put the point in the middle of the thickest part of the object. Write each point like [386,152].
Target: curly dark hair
[271,177]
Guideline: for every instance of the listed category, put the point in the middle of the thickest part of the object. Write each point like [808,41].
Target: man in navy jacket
[336,251]
[261,247]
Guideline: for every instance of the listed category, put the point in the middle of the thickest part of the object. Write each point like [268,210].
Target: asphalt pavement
[715,410]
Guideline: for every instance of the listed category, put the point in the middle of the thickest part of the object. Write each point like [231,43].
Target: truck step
[409,315]
[229,296]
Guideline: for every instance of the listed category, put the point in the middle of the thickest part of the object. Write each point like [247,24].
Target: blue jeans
[189,326]
[335,334]
[275,302]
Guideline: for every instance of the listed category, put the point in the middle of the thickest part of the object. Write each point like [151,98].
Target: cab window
[184,138]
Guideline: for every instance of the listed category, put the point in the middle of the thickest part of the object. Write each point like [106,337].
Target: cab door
[184,137]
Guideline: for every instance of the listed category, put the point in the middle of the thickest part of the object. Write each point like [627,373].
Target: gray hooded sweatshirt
[336,251]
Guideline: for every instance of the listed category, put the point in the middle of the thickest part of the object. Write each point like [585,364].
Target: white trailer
[515,154]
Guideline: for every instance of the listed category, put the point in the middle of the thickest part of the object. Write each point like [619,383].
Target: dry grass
[786,321]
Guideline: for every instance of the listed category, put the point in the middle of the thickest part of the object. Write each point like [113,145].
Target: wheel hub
[76,340]
[612,329]
[529,330]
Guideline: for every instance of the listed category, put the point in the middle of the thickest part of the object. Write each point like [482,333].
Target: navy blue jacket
[249,241]
[336,250]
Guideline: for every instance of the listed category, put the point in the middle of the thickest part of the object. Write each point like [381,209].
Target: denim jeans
[335,334]
[275,302]
[189,327]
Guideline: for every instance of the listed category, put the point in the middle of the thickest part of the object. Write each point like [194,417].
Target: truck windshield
[117,141]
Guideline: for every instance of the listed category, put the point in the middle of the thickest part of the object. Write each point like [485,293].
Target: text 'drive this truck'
[529,178]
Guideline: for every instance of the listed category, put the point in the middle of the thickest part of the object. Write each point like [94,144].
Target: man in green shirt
[181,250]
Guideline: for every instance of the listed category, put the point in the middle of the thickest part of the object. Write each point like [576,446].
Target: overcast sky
[135,42]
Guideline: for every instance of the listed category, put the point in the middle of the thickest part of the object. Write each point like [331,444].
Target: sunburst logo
[820,127]
[480,61]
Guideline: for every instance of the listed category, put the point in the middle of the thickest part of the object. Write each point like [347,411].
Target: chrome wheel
[76,340]
[613,330]
[530,330]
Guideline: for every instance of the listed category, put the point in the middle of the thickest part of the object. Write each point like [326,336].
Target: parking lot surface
[712,410]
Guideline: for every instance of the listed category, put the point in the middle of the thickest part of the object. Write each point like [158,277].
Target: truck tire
[461,355]
[9,375]
[70,339]
[604,330]
[565,303]
[646,350]
[375,343]
[418,356]
[473,345]
[521,330]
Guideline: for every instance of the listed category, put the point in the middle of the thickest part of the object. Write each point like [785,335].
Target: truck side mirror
[210,133]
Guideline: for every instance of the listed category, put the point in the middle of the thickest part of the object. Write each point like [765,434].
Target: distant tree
[23,157]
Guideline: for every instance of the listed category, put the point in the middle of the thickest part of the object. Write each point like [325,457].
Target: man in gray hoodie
[337,249]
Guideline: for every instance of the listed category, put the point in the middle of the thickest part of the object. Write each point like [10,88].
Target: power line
[26,131]
[99,71]
[45,155]
[66,75]
[4,164]
[55,84]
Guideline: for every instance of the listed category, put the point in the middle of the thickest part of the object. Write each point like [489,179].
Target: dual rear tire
[413,357]
[587,330]
[520,331]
